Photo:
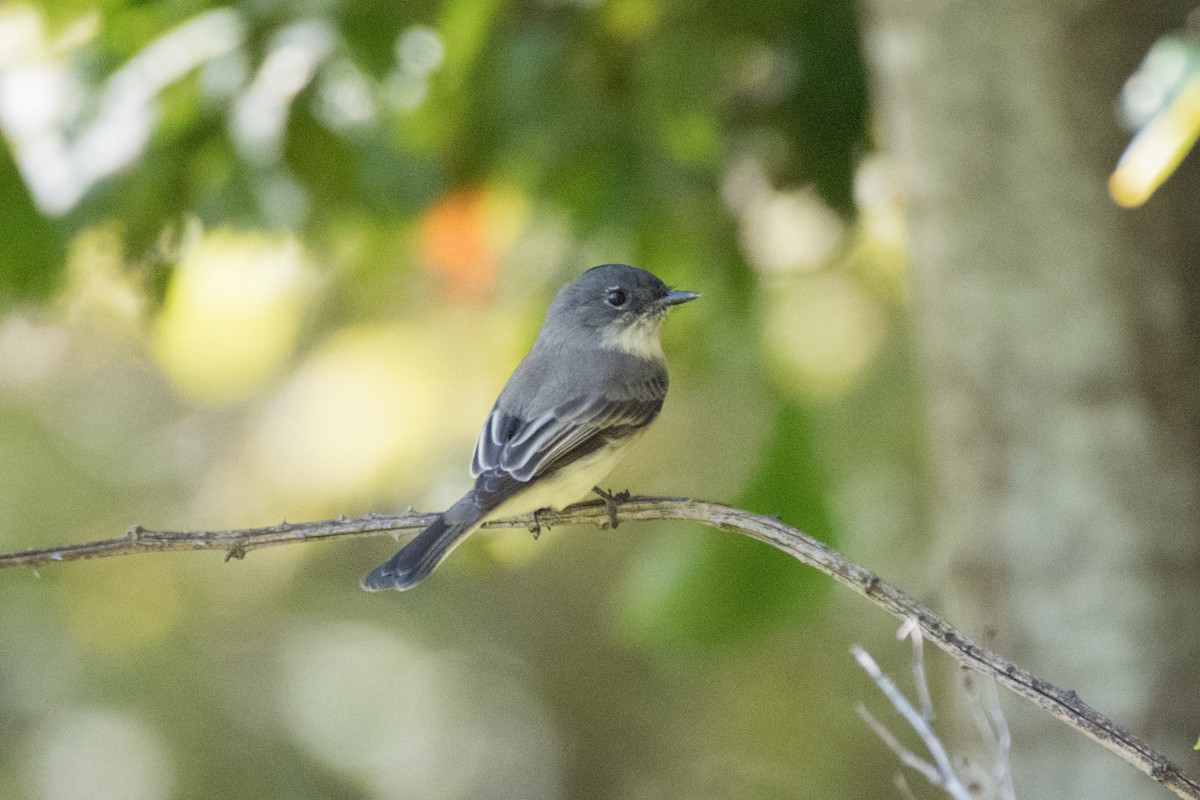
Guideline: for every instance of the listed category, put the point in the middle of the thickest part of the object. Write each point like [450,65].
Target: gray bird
[590,386]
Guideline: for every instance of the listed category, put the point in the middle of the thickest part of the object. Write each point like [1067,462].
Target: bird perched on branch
[592,383]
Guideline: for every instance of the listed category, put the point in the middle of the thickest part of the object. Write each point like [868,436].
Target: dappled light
[364,403]
[821,334]
[42,98]
[419,53]
[401,721]
[780,231]
[232,312]
[29,352]
[96,754]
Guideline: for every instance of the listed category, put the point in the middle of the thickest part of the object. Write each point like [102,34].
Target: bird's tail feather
[420,556]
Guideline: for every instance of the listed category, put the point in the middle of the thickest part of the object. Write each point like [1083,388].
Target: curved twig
[941,772]
[1063,704]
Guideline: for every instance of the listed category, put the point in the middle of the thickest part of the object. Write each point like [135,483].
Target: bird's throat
[641,338]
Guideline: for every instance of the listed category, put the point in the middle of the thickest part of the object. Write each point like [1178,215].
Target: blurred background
[274,260]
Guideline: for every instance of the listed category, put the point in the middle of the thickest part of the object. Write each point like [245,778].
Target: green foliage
[32,252]
[708,592]
[620,113]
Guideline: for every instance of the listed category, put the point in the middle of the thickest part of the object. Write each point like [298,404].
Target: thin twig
[912,631]
[902,787]
[907,757]
[943,776]
[993,727]
[1062,704]
[1002,766]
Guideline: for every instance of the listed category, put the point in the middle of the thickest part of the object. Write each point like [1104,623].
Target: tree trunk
[1060,344]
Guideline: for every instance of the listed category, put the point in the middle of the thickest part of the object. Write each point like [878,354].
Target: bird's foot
[612,500]
[536,527]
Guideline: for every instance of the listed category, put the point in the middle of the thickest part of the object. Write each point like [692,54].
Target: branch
[989,719]
[910,630]
[907,757]
[941,772]
[1064,705]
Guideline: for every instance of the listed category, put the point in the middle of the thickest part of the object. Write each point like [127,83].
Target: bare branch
[912,630]
[993,727]
[1062,704]
[907,757]
[902,787]
[234,543]
[943,776]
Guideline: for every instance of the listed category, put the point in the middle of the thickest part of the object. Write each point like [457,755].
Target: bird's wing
[524,448]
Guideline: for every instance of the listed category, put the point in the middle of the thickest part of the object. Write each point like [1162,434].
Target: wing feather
[523,449]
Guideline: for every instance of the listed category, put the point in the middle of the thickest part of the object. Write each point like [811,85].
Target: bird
[591,384]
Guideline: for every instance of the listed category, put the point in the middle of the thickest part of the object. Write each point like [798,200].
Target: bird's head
[616,306]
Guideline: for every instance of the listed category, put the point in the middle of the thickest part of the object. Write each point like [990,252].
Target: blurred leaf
[32,255]
[322,161]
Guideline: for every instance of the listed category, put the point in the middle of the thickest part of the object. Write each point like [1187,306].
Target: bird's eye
[615,298]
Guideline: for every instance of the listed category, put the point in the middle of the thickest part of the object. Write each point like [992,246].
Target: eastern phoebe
[591,384]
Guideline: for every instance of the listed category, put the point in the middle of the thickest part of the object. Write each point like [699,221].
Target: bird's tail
[420,556]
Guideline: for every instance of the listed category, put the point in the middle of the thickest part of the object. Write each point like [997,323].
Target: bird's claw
[611,501]
[536,527]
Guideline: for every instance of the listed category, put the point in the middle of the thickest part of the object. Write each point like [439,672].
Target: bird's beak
[674,298]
